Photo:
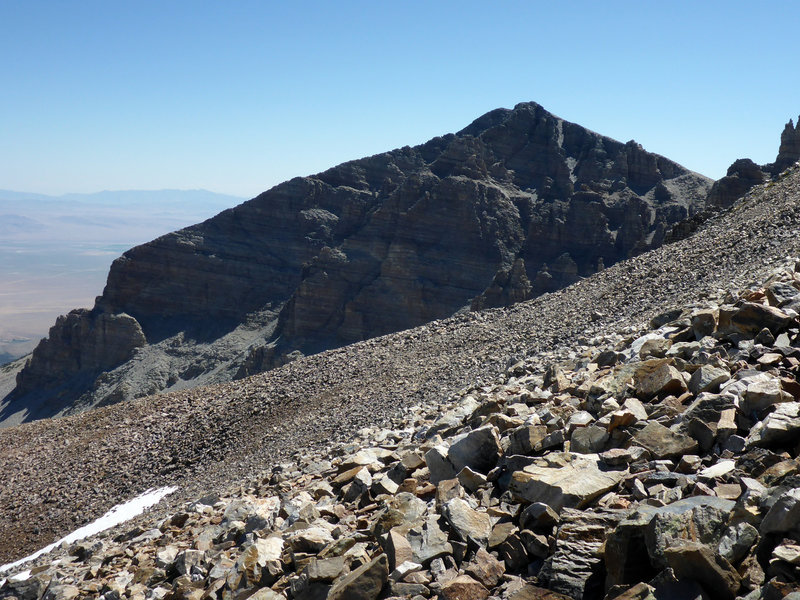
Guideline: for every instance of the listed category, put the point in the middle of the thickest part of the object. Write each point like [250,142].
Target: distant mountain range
[102,216]
[55,250]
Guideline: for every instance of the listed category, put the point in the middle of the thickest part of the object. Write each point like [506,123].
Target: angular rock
[692,560]
[751,318]
[588,440]
[784,515]
[572,568]
[364,583]
[479,450]
[635,548]
[463,587]
[485,568]
[533,592]
[662,442]
[573,483]
[707,379]
[737,541]
[538,516]
[428,541]
[527,439]
[466,522]
[663,380]
[781,426]
[762,394]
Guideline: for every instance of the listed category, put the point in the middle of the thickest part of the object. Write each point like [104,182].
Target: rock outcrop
[517,204]
[743,174]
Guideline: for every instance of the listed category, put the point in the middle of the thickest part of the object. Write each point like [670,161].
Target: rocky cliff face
[744,174]
[517,204]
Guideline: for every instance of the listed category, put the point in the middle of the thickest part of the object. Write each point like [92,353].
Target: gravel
[62,473]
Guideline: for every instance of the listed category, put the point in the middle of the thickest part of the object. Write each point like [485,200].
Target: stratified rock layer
[517,204]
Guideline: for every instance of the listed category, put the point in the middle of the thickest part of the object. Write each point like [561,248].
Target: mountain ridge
[518,203]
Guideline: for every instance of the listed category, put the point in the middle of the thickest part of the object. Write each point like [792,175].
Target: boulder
[662,442]
[707,379]
[364,583]
[572,480]
[576,566]
[691,560]
[463,587]
[478,449]
[782,426]
[784,515]
[466,522]
[663,380]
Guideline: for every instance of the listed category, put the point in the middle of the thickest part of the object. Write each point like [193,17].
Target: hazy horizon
[238,98]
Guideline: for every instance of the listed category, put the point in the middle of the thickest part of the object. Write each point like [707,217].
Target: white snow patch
[118,514]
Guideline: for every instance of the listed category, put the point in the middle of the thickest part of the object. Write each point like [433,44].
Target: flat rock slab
[581,479]
[662,442]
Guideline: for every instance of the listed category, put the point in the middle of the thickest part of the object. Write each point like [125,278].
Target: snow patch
[118,514]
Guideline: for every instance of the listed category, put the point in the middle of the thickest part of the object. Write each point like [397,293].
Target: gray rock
[691,560]
[784,515]
[428,541]
[581,535]
[466,522]
[588,440]
[707,379]
[762,394]
[638,543]
[751,318]
[779,427]
[780,293]
[526,439]
[538,516]
[439,465]
[737,541]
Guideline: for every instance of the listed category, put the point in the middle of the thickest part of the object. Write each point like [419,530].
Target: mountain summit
[517,204]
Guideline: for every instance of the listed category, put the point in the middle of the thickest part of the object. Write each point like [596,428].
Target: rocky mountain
[633,436]
[743,174]
[517,204]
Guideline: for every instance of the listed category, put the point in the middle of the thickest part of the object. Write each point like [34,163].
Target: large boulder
[565,480]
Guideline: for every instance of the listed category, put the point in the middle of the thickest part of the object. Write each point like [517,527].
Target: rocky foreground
[657,465]
[654,459]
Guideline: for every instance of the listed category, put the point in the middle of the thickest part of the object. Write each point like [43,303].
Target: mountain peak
[368,247]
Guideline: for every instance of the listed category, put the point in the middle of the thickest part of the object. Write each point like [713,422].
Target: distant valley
[55,251]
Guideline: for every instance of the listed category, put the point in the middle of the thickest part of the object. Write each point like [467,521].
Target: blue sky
[238,96]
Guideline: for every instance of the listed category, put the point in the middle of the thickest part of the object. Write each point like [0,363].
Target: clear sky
[238,96]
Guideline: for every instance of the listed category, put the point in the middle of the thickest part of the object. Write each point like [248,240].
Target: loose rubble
[655,462]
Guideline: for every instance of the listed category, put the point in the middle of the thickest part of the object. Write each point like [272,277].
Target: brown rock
[463,587]
[691,560]
[663,380]
[365,583]
[662,442]
[485,568]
